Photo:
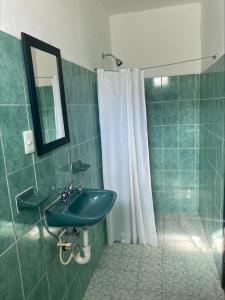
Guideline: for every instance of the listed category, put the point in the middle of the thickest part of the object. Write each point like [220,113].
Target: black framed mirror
[46,90]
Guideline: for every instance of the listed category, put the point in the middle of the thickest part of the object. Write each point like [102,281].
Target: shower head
[119,62]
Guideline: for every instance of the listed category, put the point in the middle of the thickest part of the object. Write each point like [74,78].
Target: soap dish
[31,199]
[79,166]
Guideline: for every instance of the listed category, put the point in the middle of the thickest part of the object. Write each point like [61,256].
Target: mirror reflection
[48,95]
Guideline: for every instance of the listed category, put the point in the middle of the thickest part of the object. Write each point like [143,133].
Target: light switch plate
[28,139]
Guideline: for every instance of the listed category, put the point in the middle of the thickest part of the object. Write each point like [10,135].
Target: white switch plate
[28,139]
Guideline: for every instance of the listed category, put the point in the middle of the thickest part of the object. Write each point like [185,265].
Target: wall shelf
[79,166]
[31,199]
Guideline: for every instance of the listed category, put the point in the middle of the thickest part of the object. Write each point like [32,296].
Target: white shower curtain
[59,124]
[125,156]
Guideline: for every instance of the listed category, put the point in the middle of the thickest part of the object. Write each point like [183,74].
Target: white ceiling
[114,7]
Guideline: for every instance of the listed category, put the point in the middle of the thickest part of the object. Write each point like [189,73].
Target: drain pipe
[82,260]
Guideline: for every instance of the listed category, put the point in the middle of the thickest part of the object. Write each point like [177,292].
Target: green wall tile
[188,196]
[153,91]
[50,249]
[155,137]
[170,136]
[71,271]
[2,165]
[76,78]
[41,291]
[85,85]
[157,180]
[74,155]
[75,290]
[84,116]
[187,159]
[218,84]
[19,182]
[67,79]
[219,183]
[156,159]
[187,135]
[187,112]
[32,260]
[198,87]
[188,205]
[9,273]
[157,201]
[171,180]
[62,167]
[187,87]
[73,112]
[170,113]
[154,113]
[170,202]
[11,78]
[170,88]
[95,152]
[6,227]
[206,88]
[13,121]
[45,173]
[170,159]
[187,179]
[197,136]
[56,273]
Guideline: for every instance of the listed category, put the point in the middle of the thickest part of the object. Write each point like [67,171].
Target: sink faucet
[63,194]
[66,192]
[70,189]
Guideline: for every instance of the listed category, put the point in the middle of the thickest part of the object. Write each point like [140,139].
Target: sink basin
[82,209]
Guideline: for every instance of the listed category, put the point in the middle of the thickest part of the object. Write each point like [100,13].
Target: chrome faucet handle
[63,197]
[70,187]
[61,191]
[63,194]
[79,189]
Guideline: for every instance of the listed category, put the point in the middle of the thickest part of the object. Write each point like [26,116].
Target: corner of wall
[212,30]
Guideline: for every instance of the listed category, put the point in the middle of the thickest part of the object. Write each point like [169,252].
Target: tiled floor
[180,268]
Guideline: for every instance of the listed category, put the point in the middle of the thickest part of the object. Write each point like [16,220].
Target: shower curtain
[125,156]
[59,124]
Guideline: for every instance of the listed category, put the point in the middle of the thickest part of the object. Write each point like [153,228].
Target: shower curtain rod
[171,64]
[43,76]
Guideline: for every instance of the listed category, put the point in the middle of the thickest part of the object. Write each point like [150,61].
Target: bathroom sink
[84,208]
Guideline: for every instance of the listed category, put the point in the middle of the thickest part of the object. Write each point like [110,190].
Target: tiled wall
[212,109]
[173,129]
[29,264]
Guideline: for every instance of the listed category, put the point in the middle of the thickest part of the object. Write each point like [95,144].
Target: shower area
[185,122]
[186,144]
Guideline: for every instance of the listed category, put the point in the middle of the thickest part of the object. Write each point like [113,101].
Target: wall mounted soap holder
[31,199]
[79,166]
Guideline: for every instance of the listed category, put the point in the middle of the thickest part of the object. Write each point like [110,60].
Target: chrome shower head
[119,62]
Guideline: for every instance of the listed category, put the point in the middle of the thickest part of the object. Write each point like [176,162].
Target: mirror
[46,89]
[48,95]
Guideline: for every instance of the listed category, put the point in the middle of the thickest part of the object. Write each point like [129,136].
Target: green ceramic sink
[84,208]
